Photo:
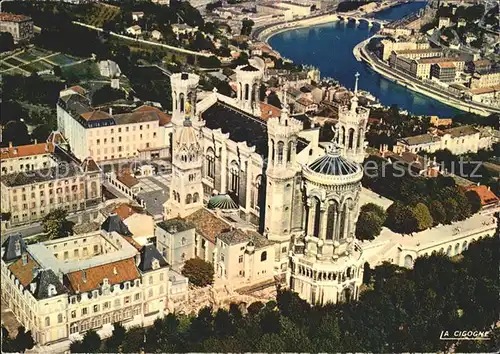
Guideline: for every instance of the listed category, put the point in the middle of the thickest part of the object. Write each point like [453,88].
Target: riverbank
[362,53]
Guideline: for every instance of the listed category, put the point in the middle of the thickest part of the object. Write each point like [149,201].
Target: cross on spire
[356,83]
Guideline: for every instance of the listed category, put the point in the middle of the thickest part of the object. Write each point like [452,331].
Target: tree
[438,213]
[199,272]
[474,201]
[41,133]
[116,339]
[107,94]
[450,207]
[55,224]
[209,62]
[246,26]
[91,341]
[134,340]
[57,71]
[6,42]
[400,218]
[24,340]
[273,99]
[17,133]
[423,216]
[368,226]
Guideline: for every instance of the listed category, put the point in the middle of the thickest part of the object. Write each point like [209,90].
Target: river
[329,48]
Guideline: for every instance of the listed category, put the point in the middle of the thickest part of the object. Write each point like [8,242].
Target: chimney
[36,141]
[10,144]
[137,259]
[84,275]
[15,151]
[115,272]
[32,287]
[110,111]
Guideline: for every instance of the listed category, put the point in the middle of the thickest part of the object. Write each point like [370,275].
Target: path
[175,49]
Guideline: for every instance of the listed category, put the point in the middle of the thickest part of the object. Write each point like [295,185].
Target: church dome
[333,164]
[223,202]
[186,135]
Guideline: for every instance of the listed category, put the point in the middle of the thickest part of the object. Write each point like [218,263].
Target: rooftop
[8,17]
[92,278]
[164,117]
[485,194]
[26,150]
[419,139]
[463,130]
[175,225]
[208,224]
[44,175]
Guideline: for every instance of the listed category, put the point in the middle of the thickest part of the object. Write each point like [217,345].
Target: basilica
[301,193]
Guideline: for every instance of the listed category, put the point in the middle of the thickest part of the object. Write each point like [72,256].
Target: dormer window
[105,282]
[51,290]
[155,264]
[25,259]
[17,246]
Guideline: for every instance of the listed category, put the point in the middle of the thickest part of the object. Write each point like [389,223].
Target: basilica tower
[283,209]
[186,190]
[248,81]
[326,265]
[184,87]
[351,125]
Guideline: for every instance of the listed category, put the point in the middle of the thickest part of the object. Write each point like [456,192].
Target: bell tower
[283,209]
[184,87]
[248,80]
[351,125]
[186,190]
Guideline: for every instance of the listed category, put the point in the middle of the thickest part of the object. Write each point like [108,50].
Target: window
[162,290]
[263,256]
[222,257]
[150,280]
[84,311]
[137,297]
[117,303]
[127,300]
[96,308]
[150,294]
[106,305]
[210,163]
[47,321]
[283,250]
[73,328]
[73,314]
[161,276]
[240,259]
[59,318]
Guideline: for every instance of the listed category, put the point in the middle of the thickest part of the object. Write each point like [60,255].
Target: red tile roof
[26,150]
[485,194]
[125,210]
[24,272]
[95,115]
[7,17]
[127,179]
[207,224]
[116,273]
[164,117]
[268,111]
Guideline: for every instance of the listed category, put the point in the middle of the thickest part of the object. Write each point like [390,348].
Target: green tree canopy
[450,207]
[474,201]
[55,224]
[6,42]
[368,225]
[437,212]
[423,216]
[199,272]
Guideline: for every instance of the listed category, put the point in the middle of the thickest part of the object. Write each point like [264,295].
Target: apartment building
[19,26]
[26,157]
[59,289]
[415,54]
[143,133]
[389,45]
[459,140]
[421,68]
[444,72]
[28,194]
[175,239]
[485,79]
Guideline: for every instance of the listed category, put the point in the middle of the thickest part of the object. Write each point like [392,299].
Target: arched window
[351,138]
[408,261]
[343,221]
[183,241]
[263,256]
[360,136]
[342,136]
[272,150]
[189,199]
[196,197]
[174,195]
[59,318]
[457,248]
[317,213]
[255,196]
[332,208]
[210,163]
[234,177]
[464,246]
[448,251]
[289,152]
[181,102]
[247,92]
[281,146]
[175,100]
[47,321]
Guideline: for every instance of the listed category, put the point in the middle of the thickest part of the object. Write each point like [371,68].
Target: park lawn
[13,61]
[61,59]
[26,56]
[100,13]
[81,72]
[37,66]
